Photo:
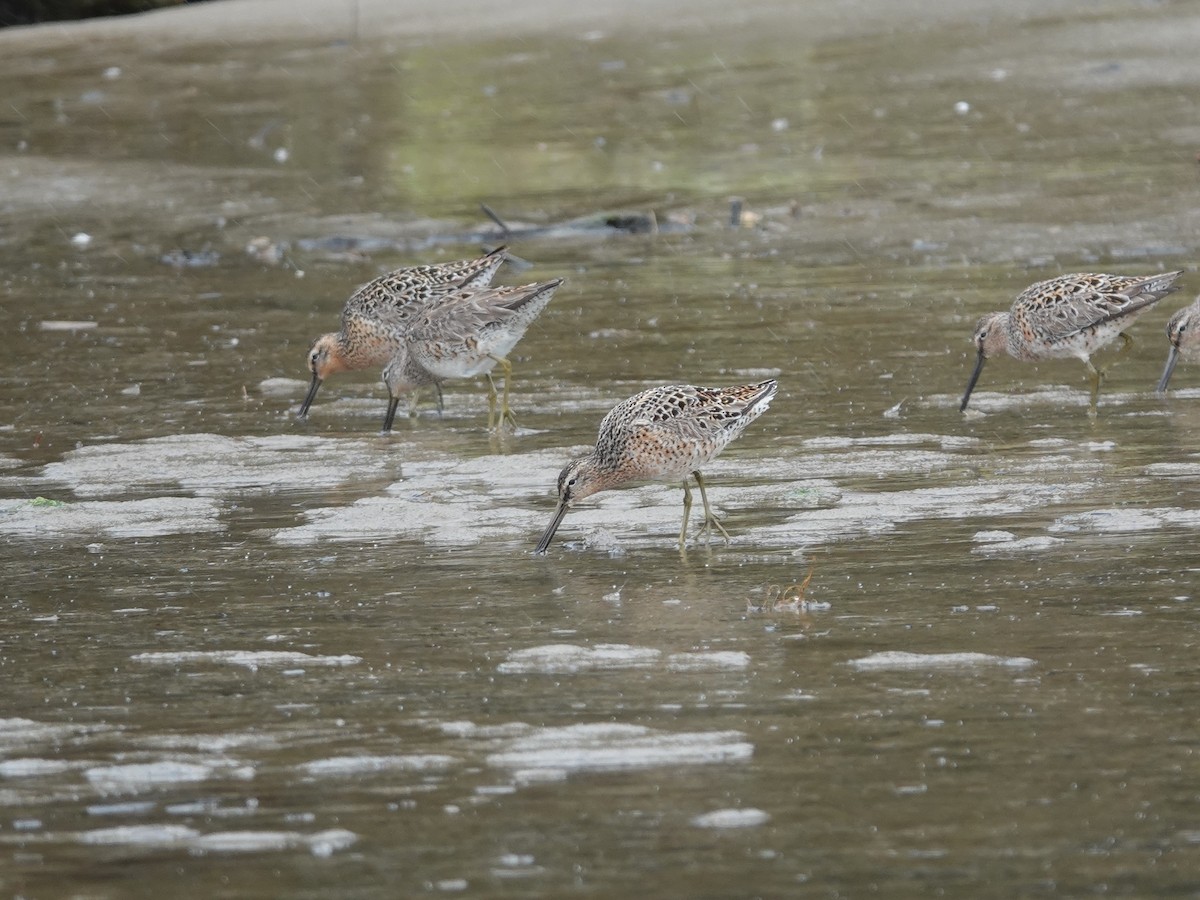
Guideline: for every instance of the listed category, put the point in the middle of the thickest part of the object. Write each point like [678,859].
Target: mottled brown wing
[376,302]
[1075,303]
[457,314]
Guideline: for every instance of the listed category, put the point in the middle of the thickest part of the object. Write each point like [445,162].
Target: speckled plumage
[1183,333]
[1068,316]
[376,316]
[661,434]
[462,334]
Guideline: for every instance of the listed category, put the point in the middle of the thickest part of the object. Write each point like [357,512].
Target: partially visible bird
[376,315]
[461,334]
[661,434]
[1071,315]
[1183,331]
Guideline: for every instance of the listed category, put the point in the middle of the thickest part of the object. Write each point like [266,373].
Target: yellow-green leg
[491,402]
[1126,343]
[1095,376]
[415,396]
[505,411]
[687,511]
[710,520]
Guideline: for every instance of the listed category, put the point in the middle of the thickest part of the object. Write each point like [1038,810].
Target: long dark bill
[962,407]
[1172,358]
[309,397]
[544,543]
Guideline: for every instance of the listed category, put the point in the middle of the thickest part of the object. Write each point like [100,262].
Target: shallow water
[279,657]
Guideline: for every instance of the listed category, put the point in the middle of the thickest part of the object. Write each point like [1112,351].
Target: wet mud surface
[939,653]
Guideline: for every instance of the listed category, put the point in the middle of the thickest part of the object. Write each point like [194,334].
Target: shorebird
[1072,315]
[376,315]
[462,334]
[662,434]
[1183,331]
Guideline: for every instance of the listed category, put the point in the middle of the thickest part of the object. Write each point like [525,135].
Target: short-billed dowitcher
[1072,315]
[376,315]
[662,434]
[1183,331]
[462,334]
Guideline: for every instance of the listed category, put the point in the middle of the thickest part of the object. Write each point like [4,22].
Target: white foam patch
[515,860]
[211,743]
[321,843]
[471,730]
[732,818]
[447,501]
[34,768]
[897,659]
[947,442]
[1037,544]
[213,807]
[611,746]
[854,462]
[208,806]
[283,387]
[211,465]
[246,841]
[1174,469]
[467,502]
[251,659]
[526,777]
[568,659]
[988,401]
[127,808]
[139,835]
[555,659]
[1096,522]
[1188,518]
[1122,521]
[1109,521]
[339,766]
[16,732]
[877,512]
[136,777]
[993,537]
[70,324]
[701,661]
[152,517]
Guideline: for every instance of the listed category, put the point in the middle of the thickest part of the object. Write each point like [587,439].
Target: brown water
[276,658]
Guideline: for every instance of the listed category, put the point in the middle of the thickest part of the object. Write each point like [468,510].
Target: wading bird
[662,434]
[376,315]
[1072,315]
[462,334]
[1183,331]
